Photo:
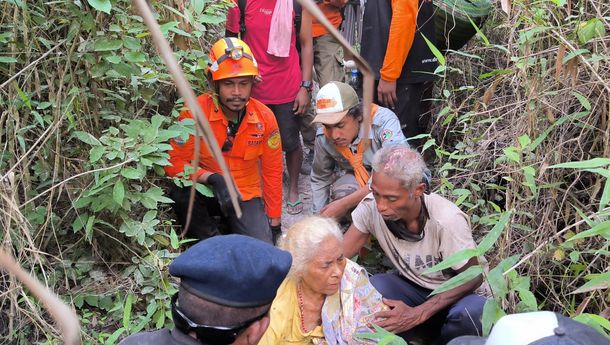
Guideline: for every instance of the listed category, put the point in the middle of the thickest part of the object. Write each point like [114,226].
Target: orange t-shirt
[332,12]
[255,160]
[400,40]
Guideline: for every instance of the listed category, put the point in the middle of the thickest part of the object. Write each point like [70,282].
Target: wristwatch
[307,85]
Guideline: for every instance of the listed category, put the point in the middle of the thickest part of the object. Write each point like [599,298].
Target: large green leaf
[492,312]
[435,51]
[597,282]
[592,28]
[86,138]
[101,5]
[494,233]
[599,229]
[461,279]
[462,255]
[7,59]
[106,44]
[118,192]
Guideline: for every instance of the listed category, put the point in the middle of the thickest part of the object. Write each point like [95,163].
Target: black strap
[242,17]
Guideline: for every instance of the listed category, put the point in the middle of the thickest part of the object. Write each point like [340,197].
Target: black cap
[536,328]
[232,270]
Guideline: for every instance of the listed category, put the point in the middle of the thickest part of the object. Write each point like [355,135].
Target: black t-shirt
[420,63]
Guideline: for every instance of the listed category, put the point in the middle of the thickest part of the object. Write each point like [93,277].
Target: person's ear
[253,333]
[420,189]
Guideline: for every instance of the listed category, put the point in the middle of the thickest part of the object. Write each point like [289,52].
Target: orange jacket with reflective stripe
[255,160]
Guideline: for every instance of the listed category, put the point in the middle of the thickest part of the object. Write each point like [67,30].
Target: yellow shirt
[285,325]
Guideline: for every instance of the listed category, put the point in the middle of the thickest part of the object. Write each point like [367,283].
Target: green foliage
[519,145]
[85,139]
[381,336]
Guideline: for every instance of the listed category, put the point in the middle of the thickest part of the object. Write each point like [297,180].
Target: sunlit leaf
[127,310]
[7,59]
[101,5]
[602,229]
[591,163]
[460,279]
[494,233]
[87,138]
[118,192]
[592,28]
[461,256]
[492,312]
[106,44]
[596,282]
[439,56]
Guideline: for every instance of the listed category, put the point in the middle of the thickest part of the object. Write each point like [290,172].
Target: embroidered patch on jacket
[179,141]
[386,135]
[259,126]
[274,139]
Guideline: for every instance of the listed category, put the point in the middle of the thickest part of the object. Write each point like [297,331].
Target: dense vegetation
[521,142]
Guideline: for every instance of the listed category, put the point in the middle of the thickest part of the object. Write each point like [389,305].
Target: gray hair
[401,162]
[304,238]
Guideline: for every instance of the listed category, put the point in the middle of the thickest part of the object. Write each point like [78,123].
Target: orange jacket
[332,12]
[402,33]
[257,141]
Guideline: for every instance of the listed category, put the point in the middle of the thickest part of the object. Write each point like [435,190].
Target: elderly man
[416,231]
[249,136]
[340,143]
[224,298]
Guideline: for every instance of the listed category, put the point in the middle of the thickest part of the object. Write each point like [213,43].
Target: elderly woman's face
[324,271]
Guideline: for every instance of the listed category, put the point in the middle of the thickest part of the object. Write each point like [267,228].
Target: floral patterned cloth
[350,310]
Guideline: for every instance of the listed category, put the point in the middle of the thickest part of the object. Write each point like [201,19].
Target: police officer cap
[232,270]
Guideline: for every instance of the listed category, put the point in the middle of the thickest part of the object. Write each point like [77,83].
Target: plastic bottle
[354,78]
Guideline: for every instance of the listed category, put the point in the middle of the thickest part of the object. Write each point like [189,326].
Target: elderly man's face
[393,200]
[324,271]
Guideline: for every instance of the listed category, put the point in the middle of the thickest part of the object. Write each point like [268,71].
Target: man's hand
[386,93]
[221,192]
[399,318]
[335,210]
[301,103]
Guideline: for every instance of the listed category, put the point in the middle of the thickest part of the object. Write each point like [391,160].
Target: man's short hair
[401,162]
[208,313]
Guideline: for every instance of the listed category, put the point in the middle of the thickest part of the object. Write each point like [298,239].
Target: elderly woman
[326,298]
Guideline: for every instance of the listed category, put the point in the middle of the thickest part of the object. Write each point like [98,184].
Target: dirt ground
[305,192]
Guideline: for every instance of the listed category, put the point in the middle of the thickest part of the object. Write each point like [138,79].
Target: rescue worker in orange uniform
[248,134]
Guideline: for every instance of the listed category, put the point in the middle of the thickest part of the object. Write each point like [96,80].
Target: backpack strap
[242,17]
[298,13]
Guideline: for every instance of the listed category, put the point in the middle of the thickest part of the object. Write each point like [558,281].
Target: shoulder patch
[274,140]
[387,134]
[179,141]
